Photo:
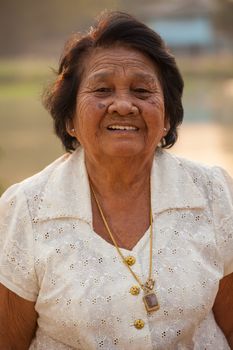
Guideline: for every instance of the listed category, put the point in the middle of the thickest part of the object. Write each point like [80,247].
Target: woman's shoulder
[211,180]
[35,184]
[201,171]
[47,189]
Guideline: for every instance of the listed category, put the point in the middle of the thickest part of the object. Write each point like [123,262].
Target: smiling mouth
[122,128]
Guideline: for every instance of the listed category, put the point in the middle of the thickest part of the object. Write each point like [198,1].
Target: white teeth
[121,127]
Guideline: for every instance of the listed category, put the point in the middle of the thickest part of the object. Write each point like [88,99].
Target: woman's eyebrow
[100,76]
[146,77]
[149,78]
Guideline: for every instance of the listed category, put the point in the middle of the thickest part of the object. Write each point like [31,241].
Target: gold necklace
[150,299]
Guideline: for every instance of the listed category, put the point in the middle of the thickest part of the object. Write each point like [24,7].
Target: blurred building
[187,25]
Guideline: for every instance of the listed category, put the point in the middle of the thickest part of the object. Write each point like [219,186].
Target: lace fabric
[51,255]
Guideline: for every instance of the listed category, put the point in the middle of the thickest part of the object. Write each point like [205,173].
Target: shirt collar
[172,186]
[67,192]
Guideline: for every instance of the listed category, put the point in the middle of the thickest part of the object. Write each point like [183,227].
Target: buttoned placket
[132,308]
[139,316]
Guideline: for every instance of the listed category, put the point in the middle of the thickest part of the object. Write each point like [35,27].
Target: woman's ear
[166,127]
[70,128]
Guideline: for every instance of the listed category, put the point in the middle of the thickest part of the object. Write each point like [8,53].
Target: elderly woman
[117,244]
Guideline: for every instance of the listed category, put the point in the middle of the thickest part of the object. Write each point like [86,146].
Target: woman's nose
[122,106]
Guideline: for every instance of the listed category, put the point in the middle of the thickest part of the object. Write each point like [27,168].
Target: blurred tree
[40,27]
[223,17]
[136,7]
[29,26]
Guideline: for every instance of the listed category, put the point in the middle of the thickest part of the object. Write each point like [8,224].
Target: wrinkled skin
[120,86]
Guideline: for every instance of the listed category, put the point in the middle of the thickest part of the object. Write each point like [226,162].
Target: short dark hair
[112,28]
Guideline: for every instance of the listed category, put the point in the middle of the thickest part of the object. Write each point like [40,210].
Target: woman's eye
[141,90]
[103,89]
[142,93]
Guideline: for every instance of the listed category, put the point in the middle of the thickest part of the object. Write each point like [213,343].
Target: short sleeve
[16,245]
[223,216]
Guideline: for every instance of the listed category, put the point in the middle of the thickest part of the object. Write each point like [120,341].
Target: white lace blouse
[51,255]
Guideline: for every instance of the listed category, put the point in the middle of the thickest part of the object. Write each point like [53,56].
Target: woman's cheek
[82,106]
[158,102]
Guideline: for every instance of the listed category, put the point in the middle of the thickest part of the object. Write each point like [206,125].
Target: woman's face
[120,105]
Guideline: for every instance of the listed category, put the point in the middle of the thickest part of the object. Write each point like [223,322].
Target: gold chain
[118,249]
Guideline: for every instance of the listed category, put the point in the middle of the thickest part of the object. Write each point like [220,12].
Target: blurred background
[32,35]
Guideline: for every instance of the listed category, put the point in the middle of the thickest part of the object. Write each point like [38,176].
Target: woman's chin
[123,151]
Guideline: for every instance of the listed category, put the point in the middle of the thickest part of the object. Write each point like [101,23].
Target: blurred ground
[205,143]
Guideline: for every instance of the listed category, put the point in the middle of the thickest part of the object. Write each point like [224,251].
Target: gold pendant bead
[130,260]
[149,285]
[134,290]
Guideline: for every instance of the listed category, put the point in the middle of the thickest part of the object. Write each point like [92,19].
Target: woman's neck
[122,187]
[119,176]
